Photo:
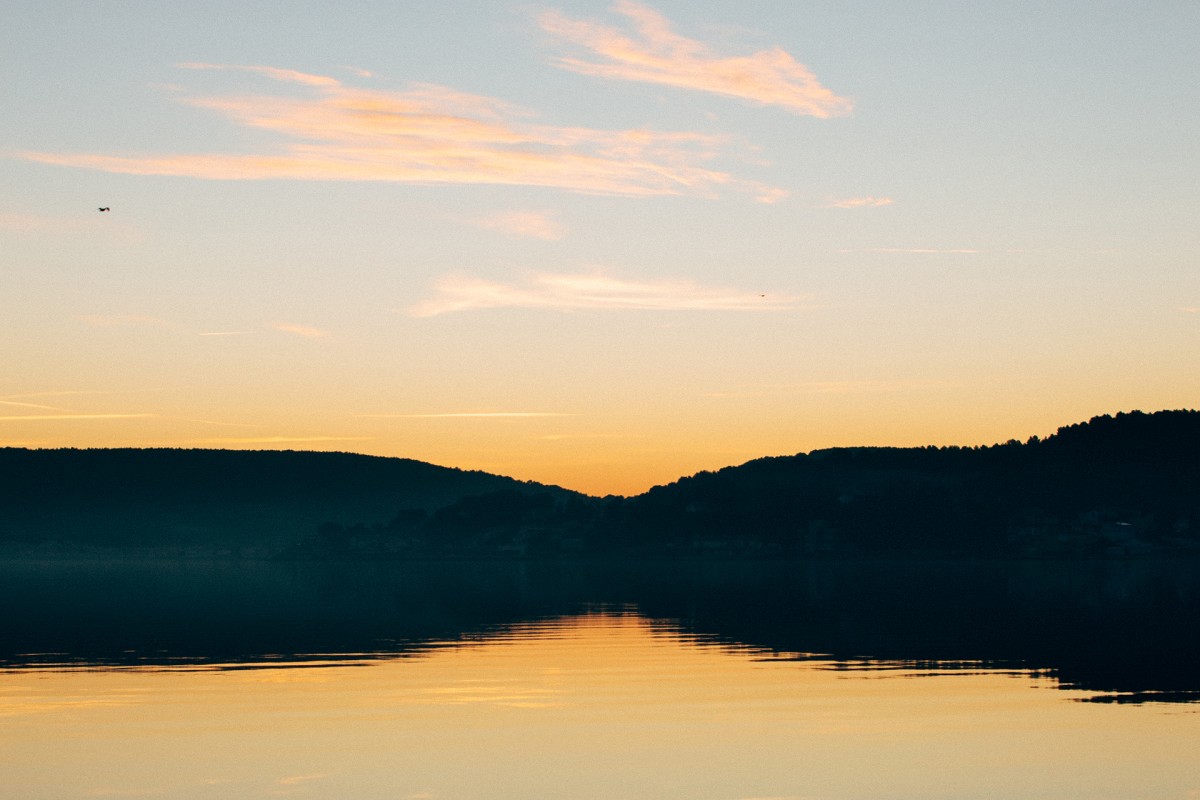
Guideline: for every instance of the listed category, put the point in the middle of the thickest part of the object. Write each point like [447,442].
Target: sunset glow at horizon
[601,245]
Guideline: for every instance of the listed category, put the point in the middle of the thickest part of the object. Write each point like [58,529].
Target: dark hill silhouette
[1123,485]
[213,501]
[1113,486]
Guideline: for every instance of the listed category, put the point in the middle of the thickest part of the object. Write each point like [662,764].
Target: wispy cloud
[29,405]
[860,202]
[592,291]
[280,439]
[32,417]
[58,413]
[567,437]
[110,792]
[295,783]
[524,225]
[306,331]
[142,320]
[295,780]
[216,422]
[808,388]
[469,415]
[917,250]
[432,135]
[57,393]
[656,54]
[275,73]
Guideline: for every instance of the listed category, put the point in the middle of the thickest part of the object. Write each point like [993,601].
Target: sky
[599,245]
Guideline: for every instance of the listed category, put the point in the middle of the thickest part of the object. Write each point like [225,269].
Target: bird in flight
[106,208]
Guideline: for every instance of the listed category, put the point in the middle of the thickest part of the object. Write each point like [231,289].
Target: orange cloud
[30,417]
[810,388]
[285,75]
[469,415]
[563,292]
[659,55]
[294,784]
[920,250]
[281,439]
[429,134]
[29,405]
[57,412]
[860,202]
[300,330]
[524,225]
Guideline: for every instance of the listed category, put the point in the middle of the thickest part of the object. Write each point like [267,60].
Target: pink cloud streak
[860,202]
[592,291]
[656,54]
[306,331]
[524,225]
[429,135]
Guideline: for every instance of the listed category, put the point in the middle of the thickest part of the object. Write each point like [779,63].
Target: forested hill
[204,501]
[1122,485]
[1113,486]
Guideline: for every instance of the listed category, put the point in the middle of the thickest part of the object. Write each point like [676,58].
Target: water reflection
[1124,631]
[600,705]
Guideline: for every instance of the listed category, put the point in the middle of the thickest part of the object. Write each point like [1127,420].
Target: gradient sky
[595,244]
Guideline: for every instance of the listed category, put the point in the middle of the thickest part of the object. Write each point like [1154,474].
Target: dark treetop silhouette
[1113,486]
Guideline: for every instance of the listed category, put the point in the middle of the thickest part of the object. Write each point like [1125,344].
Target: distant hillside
[213,501]
[1114,486]
[1123,485]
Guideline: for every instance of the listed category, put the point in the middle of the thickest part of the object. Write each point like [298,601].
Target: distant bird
[106,208]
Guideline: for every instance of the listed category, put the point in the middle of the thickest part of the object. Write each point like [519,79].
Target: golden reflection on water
[603,706]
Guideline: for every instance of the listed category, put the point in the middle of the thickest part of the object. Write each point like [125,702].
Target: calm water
[603,681]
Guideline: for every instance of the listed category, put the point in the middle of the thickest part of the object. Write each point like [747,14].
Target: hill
[216,502]
[1123,485]
[1112,486]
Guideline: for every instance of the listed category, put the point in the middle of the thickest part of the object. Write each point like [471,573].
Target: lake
[604,680]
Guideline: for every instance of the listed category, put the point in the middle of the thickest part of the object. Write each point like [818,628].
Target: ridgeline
[212,502]
[1114,486]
